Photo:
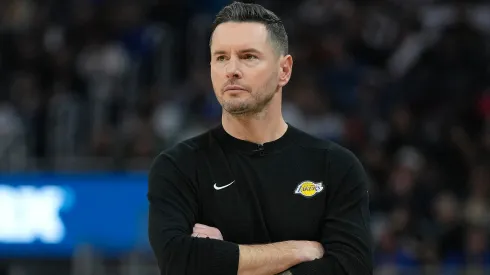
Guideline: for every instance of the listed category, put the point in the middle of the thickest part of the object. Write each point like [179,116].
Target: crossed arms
[267,259]
[174,207]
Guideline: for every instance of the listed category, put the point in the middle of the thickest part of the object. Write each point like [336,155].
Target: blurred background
[92,90]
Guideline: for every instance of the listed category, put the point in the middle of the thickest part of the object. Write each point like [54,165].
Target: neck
[266,126]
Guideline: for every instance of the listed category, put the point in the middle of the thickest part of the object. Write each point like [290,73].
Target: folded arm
[172,215]
[268,259]
[172,212]
[346,234]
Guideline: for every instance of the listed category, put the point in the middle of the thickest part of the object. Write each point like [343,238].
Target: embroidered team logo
[309,189]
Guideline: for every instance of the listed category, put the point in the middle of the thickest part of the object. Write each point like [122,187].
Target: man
[256,195]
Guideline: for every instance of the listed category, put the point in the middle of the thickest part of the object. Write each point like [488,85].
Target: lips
[234,87]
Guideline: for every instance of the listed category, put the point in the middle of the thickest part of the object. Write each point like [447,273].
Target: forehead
[240,35]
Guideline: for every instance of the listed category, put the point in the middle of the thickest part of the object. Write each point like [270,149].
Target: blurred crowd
[104,84]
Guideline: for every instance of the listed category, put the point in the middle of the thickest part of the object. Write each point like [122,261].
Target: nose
[233,70]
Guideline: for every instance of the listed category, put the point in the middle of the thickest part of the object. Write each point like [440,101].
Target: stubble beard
[254,105]
[251,107]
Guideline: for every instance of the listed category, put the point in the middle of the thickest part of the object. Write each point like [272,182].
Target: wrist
[297,248]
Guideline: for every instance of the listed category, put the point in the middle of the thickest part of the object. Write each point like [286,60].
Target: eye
[220,58]
[250,57]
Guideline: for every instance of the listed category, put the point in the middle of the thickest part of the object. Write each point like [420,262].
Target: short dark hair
[247,12]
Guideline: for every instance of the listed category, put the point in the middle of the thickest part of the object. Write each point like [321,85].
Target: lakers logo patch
[309,189]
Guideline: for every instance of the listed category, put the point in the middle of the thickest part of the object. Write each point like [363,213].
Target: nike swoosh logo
[224,186]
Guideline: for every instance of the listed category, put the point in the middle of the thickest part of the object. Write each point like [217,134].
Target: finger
[199,235]
[203,231]
[210,230]
[198,225]
[208,233]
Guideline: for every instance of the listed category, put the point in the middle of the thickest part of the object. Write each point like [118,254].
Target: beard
[253,103]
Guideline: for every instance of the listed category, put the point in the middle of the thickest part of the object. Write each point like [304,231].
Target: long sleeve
[346,234]
[173,211]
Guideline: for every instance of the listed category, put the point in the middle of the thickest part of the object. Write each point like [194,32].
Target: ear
[285,69]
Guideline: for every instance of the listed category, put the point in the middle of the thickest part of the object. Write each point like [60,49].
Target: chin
[236,109]
[238,112]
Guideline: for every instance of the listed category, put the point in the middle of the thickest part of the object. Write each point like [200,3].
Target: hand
[204,231]
[310,251]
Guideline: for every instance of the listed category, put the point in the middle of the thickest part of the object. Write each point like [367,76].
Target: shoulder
[344,170]
[333,149]
[336,154]
[183,155]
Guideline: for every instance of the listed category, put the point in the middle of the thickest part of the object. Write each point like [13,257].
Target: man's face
[245,69]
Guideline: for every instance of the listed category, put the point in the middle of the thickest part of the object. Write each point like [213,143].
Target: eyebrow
[248,50]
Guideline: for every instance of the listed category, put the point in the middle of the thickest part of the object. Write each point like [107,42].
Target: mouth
[234,88]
